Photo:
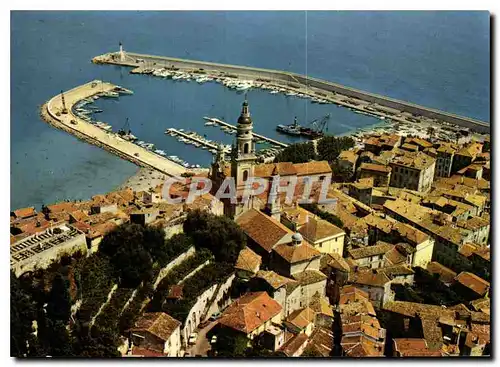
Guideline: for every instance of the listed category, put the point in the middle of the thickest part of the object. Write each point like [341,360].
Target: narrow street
[202,343]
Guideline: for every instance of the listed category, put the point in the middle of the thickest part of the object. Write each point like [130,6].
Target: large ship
[313,132]
[293,129]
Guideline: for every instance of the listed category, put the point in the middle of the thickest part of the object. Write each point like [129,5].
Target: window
[245,175]
[245,148]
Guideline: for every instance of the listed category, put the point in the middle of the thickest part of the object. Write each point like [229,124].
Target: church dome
[245,118]
[297,237]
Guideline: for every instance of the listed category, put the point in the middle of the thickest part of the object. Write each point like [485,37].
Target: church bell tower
[243,158]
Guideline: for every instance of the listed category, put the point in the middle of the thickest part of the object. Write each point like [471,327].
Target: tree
[341,173]
[59,340]
[231,344]
[297,153]
[329,217]
[128,252]
[22,314]
[219,234]
[329,147]
[59,302]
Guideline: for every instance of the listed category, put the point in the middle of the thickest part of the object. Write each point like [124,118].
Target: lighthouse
[122,53]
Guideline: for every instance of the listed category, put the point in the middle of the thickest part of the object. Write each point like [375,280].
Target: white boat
[291,94]
[274,91]
[209,123]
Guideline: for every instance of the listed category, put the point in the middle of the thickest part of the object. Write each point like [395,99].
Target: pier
[232,127]
[355,99]
[58,112]
[192,138]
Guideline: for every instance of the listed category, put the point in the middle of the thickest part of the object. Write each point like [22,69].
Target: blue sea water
[437,59]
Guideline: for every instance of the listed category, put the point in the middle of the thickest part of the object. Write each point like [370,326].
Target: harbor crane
[320,125]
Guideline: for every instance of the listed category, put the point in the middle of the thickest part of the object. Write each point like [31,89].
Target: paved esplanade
[303,84]
[52,113]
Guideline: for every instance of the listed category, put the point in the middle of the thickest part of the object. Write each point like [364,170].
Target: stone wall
[179,259]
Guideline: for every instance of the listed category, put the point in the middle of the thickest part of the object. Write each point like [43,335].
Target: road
[202,345]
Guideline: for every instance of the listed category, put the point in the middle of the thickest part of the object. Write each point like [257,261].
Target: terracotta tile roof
[144,352]
[412,309]
[317,229]
[291,347]
[321,305]
[296,214]
[262,229]
[396,270]
[312,168]
[100,200]
[104,228]
[375,167]
[63,207]
[159,324]
[420,142]
[410,147]
[433,333]
[295,253]
[302,318]
[84,227]
[467,249]
[482,331]
[321,341]
[361,346]
[309,277]
[473,282]
[335,261]
[350,293]
[416,160]
[483,253]
[380,248]
[413,347]
[361,327]
[348,155]
[445,275]
[25,212]
[481,304]
[369,278]
[248,260]
[446,148]
[355,302]
[473,223]
[79,216]
[250,311]
[472,150]
[274,279]
[394,256]
[282,169]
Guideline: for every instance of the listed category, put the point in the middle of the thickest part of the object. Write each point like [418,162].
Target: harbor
[197,140]
[61,111]
[260,138]
[320,91]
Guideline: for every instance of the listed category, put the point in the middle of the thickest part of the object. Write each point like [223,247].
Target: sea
[437,59]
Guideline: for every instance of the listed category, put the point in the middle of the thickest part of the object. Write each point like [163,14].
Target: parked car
[214,339]
[215,316]
[192,338]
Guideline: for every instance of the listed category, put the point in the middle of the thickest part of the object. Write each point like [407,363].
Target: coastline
[143,180]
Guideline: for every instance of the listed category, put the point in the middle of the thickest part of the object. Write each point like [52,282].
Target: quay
[232,127]
[352,98]
[191,137]
[58,112]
